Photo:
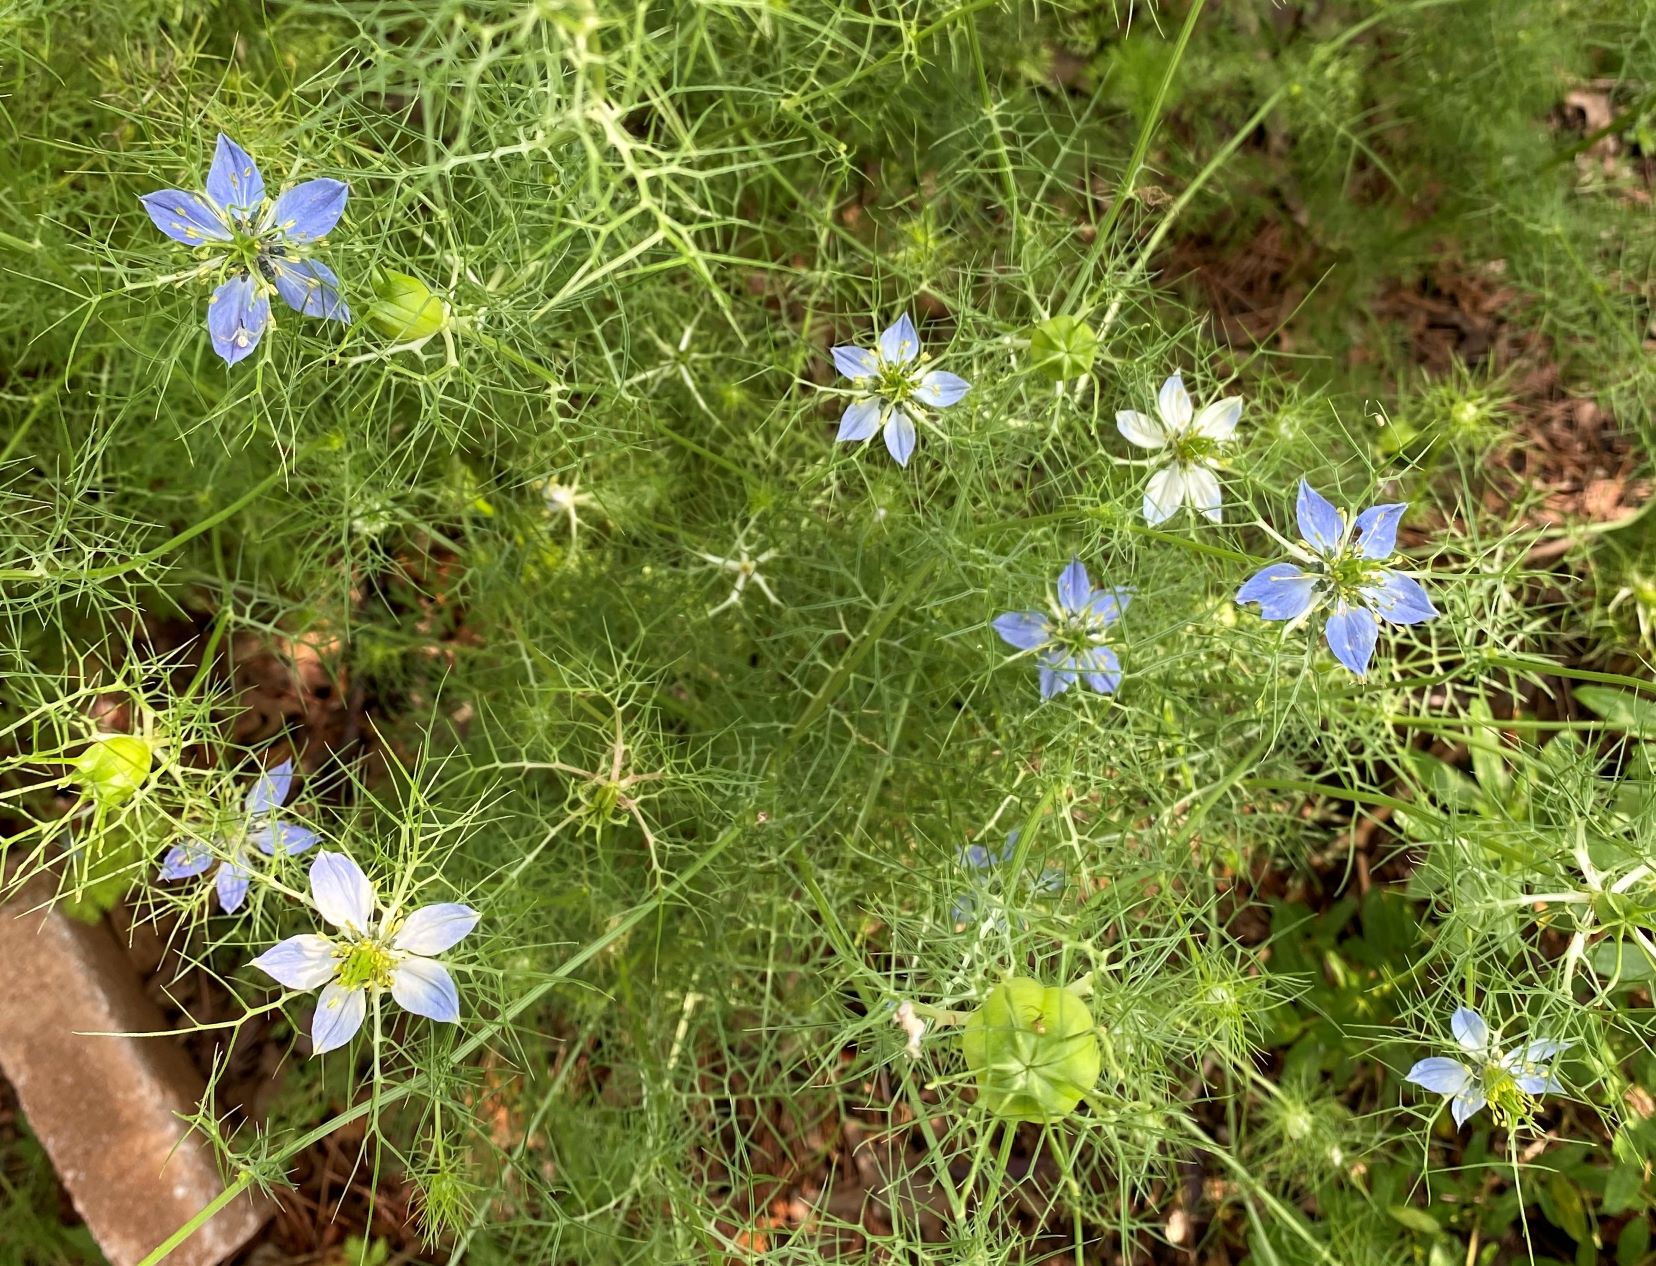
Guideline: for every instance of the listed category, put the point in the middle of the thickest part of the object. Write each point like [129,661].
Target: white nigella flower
[392,952]
[1191,440]
[1505,1080]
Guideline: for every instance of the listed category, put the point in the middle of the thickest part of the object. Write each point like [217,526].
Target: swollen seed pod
[405,309]
[1032,1049]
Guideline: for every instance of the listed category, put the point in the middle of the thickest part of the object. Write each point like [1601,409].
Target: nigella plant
[1504,1080]
[257,245]
[1190,440]
[1069,638]
[257,828]
[1344,571]
[374,950]
[892,385]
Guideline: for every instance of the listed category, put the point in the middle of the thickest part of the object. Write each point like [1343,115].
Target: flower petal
[899,436]
[300,962]
[1074,587]
[1440,1075]
[1101,669]
[940,389]
[1352,633]
[1377,530]
[425,988]
[899,343]
[860,420]
[1400,599]
[184,860]
[1282,590]
[308,286]
[1320,524]
[1057,674]
[287,838]
[433,929]
[1539,1084]
[1471,1033]
[1534,1054]
[1173,403]
[308,211]
[1217,421]
[856,362]
[185,217]
[233,181]
[231,886]
[1024,629]
[1140,428]
[1106,605]
[339,1014]
[270,789]
[1462,1106]
[237,315]
[1202,492]
[1164,494]
[342,893]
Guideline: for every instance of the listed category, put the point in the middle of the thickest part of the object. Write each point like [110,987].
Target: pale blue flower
[258,245]
[1345,572]
[1191,439]
[268,793]
[893,389]
[374,950]
[982,866]
[1069,637]
[1506,1080]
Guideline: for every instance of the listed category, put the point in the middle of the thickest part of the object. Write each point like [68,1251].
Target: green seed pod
[114,767]
[405,309]
[1032,1049]
[1062,347]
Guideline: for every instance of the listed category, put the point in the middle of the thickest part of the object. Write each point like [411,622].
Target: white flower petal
[1469,1030]
[433,929]
[339,1014]
[1217,421]
[342,893]
[1140,428]
[1202,492]
[1173,403]
[425,988]
[300,962]
[1164,495]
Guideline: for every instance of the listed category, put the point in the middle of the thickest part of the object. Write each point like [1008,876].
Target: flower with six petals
[268,793]
[1191,440]
[1344,571]
[1070,635]
[258,245]
[1505,1080]
[374,950]
[891,384]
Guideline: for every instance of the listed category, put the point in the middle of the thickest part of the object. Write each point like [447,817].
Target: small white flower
[1192,440]
[391,953]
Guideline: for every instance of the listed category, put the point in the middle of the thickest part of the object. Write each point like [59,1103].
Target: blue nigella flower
[368,954]
[982,866]
[891,382]
[1071,638]
[268,793]
[1491,1077]
[258,245]
[1345,572]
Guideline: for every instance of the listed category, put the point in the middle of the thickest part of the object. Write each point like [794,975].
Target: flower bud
[114,767]
[405,309]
